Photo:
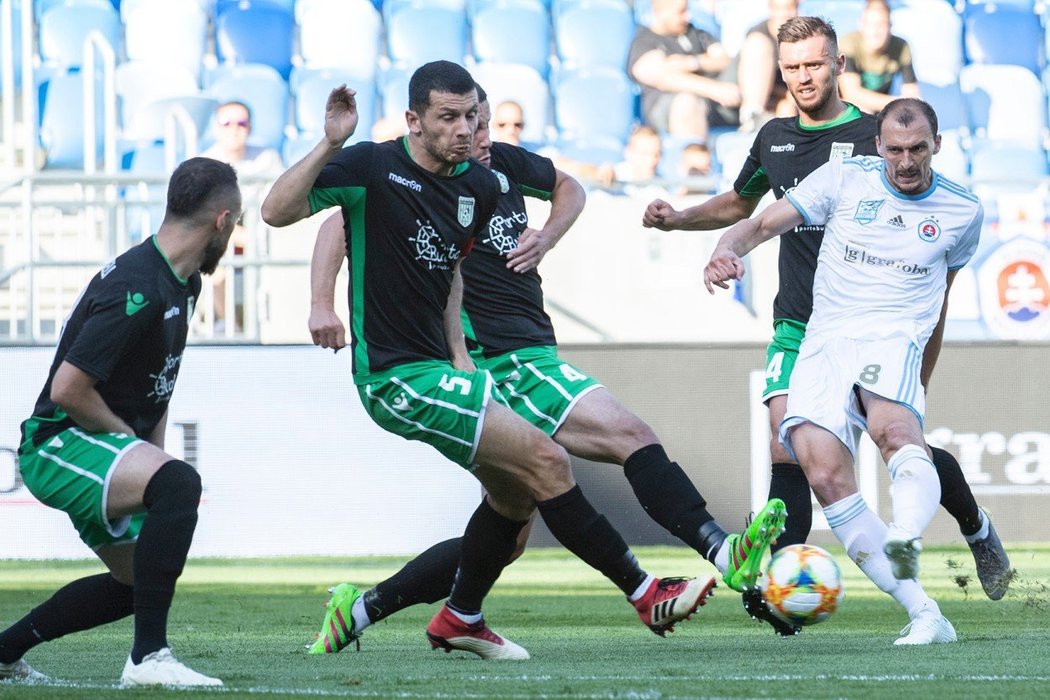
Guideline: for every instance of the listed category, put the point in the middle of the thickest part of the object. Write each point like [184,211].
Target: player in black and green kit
[413,207]
[94,446]
[784,152]
[512,339]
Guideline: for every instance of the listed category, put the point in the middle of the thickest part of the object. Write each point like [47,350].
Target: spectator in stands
[678,67]
[874,59]
[695,161]
[508,123]
[233,126]
[641,157]
[763,93]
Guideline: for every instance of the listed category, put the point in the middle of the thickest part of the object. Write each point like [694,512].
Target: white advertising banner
[291,464]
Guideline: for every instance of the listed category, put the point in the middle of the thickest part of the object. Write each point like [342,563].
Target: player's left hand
[532,246]
[723,266]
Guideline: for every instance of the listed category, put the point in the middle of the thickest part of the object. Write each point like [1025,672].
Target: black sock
[426,579]
[583,531]
[486,546]
[789,483]
[80,605]
[670,498]
[171,499]
[956,496]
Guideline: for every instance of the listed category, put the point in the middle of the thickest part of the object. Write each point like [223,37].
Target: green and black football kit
[128,330]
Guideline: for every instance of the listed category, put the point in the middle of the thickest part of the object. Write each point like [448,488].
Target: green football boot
[747,550]
[337,630]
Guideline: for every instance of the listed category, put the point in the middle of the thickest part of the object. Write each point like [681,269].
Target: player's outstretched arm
[286,202]
[742,238]
[718,212]
[326,328]
[567,200]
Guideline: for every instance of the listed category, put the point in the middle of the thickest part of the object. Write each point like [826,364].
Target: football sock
[583,531]
[643,587]
[982,529]
[426,579]
[914,489]
[670,498]
[956,496]
[485,548]
[80,605]
[789,483]
[171,499]
[862,532]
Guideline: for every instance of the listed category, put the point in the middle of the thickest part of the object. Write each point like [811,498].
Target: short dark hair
[799,29]
[904,111]
[482,95]
[437,76]
[196,182]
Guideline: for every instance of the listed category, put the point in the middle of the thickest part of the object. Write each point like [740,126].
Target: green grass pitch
[247,621]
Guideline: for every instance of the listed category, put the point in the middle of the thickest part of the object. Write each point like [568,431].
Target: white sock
[862,532]
[359,613]
[915,489]
[722,557]
[469,619]
[640,591]
[982,532]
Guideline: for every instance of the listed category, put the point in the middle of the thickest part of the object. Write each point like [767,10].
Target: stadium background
[273,424]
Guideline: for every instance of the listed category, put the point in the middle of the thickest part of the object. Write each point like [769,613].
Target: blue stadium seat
[64,29]
[255,33]
[16,48]
[953,159]
[514,31]
[262,89]
[42,6]
[1003,35]
[844,15]
[62,127]
[343,34]
[523,85]
[139,83]
[700,14]
[594,33]
[389,8]
[999,168]
[173,32]
[949,103]
[933,30]
[1005,103]
[426,33]
[594,150]
[311,90]
[594,102]
[220,6]
[393,92]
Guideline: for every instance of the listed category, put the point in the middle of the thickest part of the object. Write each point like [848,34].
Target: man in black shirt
[784,152]
[412,208]
[94,446]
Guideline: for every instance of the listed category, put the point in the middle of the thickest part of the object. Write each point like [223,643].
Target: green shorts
[538,385]
[781,355]
[434,403]
[71,472]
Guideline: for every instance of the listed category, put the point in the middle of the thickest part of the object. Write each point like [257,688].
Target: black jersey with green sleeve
[127,330]
[783,154]
[503,309]
[406,228]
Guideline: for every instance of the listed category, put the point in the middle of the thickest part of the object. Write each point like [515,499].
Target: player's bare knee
[895,434]
[550,471]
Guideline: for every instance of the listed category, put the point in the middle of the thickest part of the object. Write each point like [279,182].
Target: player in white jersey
[895,235]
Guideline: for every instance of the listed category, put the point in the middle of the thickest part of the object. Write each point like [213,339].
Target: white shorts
[828,372]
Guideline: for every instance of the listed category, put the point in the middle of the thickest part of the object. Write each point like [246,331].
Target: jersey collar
[911,197]
[458,170]
[165,257]
[849,114]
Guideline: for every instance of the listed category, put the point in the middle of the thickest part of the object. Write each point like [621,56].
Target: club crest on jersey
[841,151]
[504,184]
[466,211]
[929,230]
[868,210]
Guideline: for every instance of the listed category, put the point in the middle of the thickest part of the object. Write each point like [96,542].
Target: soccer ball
[802,585]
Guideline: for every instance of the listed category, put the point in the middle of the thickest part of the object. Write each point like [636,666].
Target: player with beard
[512,338]
[784,152]
[94,446]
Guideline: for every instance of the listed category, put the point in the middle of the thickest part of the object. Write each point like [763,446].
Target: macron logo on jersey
[861,256]
[405,182]
[171,313]
[786,148]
